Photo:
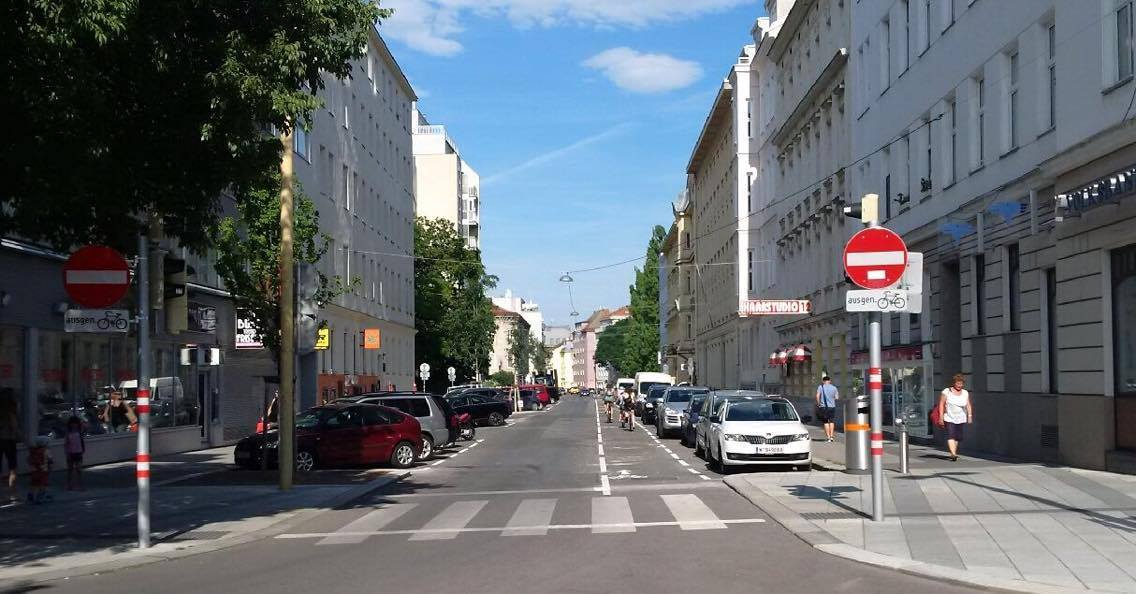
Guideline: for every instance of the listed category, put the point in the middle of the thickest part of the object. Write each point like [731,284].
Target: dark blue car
[690,419]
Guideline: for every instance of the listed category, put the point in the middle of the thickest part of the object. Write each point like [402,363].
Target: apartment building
[506,323]
[447,186]
[529,311]
[803,142]
[357,166]
[677,309]
[720,179]
[997,136]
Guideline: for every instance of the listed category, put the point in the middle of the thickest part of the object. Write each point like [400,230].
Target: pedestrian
[118,415]
[826,406]
[10,436]
[40,463]
[955,411]
[74,446]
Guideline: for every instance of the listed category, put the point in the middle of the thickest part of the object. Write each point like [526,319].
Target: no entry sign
[96,276]
[875,258]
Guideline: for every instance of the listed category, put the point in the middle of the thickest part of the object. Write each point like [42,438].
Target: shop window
[1124,319]
[979,277]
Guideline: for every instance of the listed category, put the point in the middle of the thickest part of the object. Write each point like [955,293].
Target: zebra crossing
[420,521]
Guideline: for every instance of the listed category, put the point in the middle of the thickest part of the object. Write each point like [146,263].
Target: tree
[126,108]
[611,344]
[541,354]
[503,378]
[453,317]
[641,347]
[520,349]
[248,256]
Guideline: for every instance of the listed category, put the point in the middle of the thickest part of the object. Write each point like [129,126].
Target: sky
[580,117]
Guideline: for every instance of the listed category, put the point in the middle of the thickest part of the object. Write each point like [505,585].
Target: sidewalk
[996,524]
[199,502]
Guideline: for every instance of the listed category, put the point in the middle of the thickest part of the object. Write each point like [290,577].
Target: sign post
[452,374]
[875,258]
[142,403]
[424,373]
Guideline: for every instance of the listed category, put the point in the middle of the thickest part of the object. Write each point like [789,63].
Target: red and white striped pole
[876,391]
[142,404]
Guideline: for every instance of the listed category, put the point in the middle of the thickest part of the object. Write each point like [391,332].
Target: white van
[622,384]
[644,380]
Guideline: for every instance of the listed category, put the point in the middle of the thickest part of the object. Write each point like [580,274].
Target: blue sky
[579,115]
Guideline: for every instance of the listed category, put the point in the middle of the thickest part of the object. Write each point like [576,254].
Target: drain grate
[843,515]
[1050,437]
[197,535]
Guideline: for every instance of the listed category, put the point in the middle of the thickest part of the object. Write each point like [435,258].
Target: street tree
[520,349]
[611,344]
[541,354]
[503,378]
[125,110]
[248,256]
[641,346]
[453,316]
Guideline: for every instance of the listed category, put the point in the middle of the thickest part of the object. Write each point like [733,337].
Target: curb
[171,551]
[819,539]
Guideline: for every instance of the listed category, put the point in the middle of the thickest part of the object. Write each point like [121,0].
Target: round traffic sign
[424,367]
[875,258]
[451,370]
[96,276]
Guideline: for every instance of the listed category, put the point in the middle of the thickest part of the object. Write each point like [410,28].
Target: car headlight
[671,411]
[735,437]
[801,437]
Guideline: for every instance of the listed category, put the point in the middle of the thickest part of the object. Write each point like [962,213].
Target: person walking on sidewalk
[10,436]
[956,412]
[826,406]
[74,446]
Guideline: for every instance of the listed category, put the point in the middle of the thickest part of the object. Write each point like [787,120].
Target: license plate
[768,449]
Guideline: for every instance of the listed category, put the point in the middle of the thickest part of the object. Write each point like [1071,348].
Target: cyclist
[627,408]
[609,403]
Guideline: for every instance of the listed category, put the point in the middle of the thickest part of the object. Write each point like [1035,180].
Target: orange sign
[372,339]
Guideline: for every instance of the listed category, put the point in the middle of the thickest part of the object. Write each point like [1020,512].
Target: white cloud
[644,73]
[432,26]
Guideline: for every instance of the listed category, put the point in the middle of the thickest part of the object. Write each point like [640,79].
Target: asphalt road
[528,510]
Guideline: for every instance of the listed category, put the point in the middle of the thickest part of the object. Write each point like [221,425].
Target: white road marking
[617,527]
[611,514]
[605,485]
[693,471]
[684,463]
[355,532]
[692,513]
[704,477]
[451,521]
[674,455]
[601,449]
[603,466]
[531,518]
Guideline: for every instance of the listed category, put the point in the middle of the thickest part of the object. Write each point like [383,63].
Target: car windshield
[657,392]
[645,387]
[313,418]
[761,410]
[683,396]
[696,402]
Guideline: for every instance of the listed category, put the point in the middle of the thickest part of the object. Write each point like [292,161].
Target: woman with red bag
[955,412]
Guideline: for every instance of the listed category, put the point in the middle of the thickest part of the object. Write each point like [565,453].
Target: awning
[802,353]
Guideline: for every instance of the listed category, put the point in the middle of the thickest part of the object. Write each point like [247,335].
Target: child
[74,447]
[39,459]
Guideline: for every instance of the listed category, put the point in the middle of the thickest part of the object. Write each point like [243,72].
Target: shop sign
[774,307]
[202,318]
[1106,190]
[247,334]
[323,339]
[372,339]
[96,320]
[903,353]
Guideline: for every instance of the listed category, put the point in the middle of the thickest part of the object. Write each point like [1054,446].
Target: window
[948,13]
[885,56]
[346,188]
[887,197]
[1011,125]
[301,143]
[952,155]
[1123,40]
[749,191]
[750,268]
[925,27]
[928,167]
[905,6]
[1051,327]
[1051,70]
[1013,268]
[346,116]
[1124,319]
[979,266]
[978,153]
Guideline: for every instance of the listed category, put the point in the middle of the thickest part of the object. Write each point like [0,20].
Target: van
[622,384]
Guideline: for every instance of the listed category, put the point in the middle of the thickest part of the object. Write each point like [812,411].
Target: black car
[492,393]
[652,402]
[483,409]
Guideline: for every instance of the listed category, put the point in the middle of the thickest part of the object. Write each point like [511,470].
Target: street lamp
[567,278]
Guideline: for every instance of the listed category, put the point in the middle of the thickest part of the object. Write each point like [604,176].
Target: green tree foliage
[520,349]
[248,256]
[124,107]
[453,316]
[540,355]
[611,343]
[641,345]
[502,378]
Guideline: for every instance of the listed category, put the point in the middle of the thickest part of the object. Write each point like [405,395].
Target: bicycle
[892,298]
[112,318]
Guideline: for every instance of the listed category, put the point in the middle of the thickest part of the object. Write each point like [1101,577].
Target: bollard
[903,448]
[856,428]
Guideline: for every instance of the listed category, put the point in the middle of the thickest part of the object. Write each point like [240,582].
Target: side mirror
[715,419]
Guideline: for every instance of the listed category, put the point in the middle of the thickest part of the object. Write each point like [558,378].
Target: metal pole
[903,448]
[286,425]
[142,402]
[875,387]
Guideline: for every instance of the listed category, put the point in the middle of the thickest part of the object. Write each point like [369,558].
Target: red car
[341,434]
[541,390]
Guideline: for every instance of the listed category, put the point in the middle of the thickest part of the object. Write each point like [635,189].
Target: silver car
[710,408]
[668,414]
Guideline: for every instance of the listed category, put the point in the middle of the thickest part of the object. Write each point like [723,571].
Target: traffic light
[307,308]
[176,300]
[867,211]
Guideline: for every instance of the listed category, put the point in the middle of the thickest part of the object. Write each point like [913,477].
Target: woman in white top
[956,412]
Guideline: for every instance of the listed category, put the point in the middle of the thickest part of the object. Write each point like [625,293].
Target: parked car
[757,431]
[492,393]
[710,408]
[439,427]
[554,393]
[482,409]
[651,403]
[529,399]
[541,391]
[341,433]
[690,419]
[669,411]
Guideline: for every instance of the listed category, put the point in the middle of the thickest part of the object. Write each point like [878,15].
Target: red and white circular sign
[96,276]
[875,258]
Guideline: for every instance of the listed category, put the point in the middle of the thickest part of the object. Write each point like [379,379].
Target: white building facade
[528,310]
[447,186]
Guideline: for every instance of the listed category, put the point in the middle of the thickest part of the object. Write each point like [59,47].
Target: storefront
[907,387]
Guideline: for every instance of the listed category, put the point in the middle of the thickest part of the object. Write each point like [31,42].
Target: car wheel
[427,448]
[305,461]
[496,420]
[721,462]
[403,455]
[698,448]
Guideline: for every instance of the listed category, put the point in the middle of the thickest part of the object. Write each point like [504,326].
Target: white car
[758,431]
